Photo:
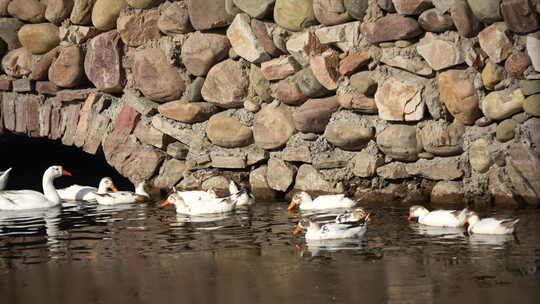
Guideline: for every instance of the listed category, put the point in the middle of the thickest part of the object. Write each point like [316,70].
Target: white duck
[87,193]
[203,206]
[439,218]
[4,176]
[330,231]
[124,197]
[304,201]
[489,225]
[243,197]
[30,199]
[196,195]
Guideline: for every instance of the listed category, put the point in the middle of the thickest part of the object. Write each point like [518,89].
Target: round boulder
[228,132]
[105,13]
[17,63]
[273,126]
[39,38]
[532,105]
[294,15]
[348,137]
[103,64]
[67,70]
[330,12]
[506,130]
[27,10]
[58,10]
[226,84]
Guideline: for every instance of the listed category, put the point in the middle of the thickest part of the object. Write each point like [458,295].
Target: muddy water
[142,254]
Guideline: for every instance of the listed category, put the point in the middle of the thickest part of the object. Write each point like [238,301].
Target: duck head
[302,224]
[416,211]
[57,171]
[107,183]
[297,199]
[173,199]
[471,219]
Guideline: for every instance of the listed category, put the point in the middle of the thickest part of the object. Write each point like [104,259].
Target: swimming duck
[124,197]
[439,218]
[489,225]
[202,206]
[304,201]
[243,197]
[4,176]
[86,193]
[317,231]
[30,199]
[353,216]
[196,195]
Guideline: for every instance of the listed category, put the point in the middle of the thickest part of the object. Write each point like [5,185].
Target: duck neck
[141,190]
[48,188]
[102,188]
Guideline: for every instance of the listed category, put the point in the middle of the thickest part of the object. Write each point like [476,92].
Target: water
[144,254]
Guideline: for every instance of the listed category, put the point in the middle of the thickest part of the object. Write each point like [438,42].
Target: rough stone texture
[519,15]
[262,31]
[67,70]
[309,179]
[441,138]
[352,62]
[294,15]
[208,14]
[308,84]
[447,192]
[523,167]
[228,132]
[138,29]
[506,130]
[27,10]
[393,170]
[188,112]
[279,174]
[155,78]
[366,163]
[143,3]
[358,103]
[344,36]
[399,142]
[348,137]
[256,8]
[279,68]
[492,74]
[459,96]
[530,87]
[39,38]
[226,85]
[297,154]
[435,169]
[464,19]
[8,32]
[411,7]
[356,8]
[399,101]
[151,136]
[502,104]
[105,13]
[517,63]
[494,42]
[201,51]
[77,34]
[5,85]
[228,162]
[391,27]
[174,19]
[170,173]
[243,40]
[440,53]
[314,115]
[259,185]
[330,12]
[40,70]
[432,20]
[364,83]
[58,10]
[81,13]
[479,156]
[533,49]
[531,105]
[273,126]
[22,85]
[325,69]
[103,64]
[487,11]
[17,63]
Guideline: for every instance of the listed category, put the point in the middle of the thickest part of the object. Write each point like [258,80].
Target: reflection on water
[83,253]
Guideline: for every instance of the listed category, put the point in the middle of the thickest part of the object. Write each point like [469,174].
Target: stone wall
[384,99]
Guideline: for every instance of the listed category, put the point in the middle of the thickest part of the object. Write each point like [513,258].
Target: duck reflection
[29,222]
[439,232]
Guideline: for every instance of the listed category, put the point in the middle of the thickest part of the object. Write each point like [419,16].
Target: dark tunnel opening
[30,157]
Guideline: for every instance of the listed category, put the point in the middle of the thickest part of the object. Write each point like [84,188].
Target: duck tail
[509,223]
[233,187]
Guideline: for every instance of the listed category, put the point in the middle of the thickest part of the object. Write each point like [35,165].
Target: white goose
[304,201]
[196,195]
[439,218]
[87,193]
[489,225]
[124,197]
[4,176]
[29,199]
[243,197]
[330,231]
[203,206]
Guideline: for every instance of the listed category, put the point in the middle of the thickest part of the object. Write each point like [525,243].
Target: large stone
[27,10]
[487,11]
[447,192]
[393,170]
[67,70]
[310,179]
[256,8]
[357,102]
[259,83]
[441,138]
[170,173]
[533,49]
[356,8]
[531,105]
[174,19]
[273,126]
[226,84]
[529,87]
[364,83]
[8,32]
[105,13]
[330,12]
[500,189]
[399,142]
[352,62]
[400,101]
[440,53]
[226,131]
[287,91]
[436,169]
[279,174]
[243,40]
[259,185]
[406,60]
[503,104]
[201,51]
[523,167]
[24,85]
[58,10]
[520,16]
[464,19]
[228,161]
[139,28]
[155,78]
[492,74]
[391,27]
[264,33]
[208,14]
[151,136]
[459,96]
[517,63]
[296,154]
[188,112]
[432,20]
[347,136]
[479,156]
[40,70]
[103,64]
[39,38]
[494,42]
[279,68]
[345,36]
[506,130]
[314,115]
[17,63]
[141,165]
[294,15]
[325,69]
[81,13]
[411,7]
[307,83]
[77,34]
[143,3]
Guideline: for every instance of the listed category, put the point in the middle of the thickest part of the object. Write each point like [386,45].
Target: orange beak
[113,188]
[297,230]
[64,172]
[409,218]
[369,219]
[164,203]
[292,205]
